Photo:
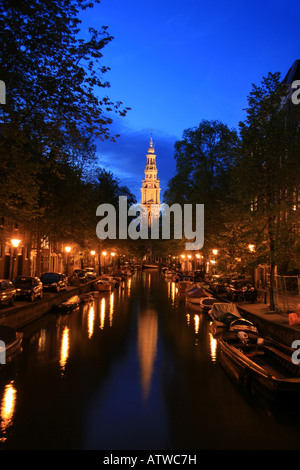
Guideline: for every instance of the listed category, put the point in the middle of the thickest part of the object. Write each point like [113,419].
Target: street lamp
[93,252]
[215,252]
[15,243]
[67,250]
[104,254]
[251,247]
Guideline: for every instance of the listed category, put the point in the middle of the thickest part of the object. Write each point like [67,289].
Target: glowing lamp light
[251,247]
[15,242]
[104,253]
[68,249]
[215,252]
[197,256]
[182,256]
[189,256]
[113,254]
[93,252]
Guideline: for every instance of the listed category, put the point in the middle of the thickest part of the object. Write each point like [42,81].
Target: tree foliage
[55,97]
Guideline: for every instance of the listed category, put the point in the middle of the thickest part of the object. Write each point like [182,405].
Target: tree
[267,174]
[54,108]
[204,160]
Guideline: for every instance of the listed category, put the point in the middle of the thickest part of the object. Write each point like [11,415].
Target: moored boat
[10,343]
[85,298]
[223,314]
[103,285]
[206,303]
[185,282]
[68,305]
[260,364]
[195,294]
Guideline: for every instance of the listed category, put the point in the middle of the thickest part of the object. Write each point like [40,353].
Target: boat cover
[197,292]
[207,301]
[223,310]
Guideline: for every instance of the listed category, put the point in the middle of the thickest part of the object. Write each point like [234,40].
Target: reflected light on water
[213,347]
[102,313]
[147,346]
[188,318]
[196,323]
[91,318]
[7,408]
[111,309]
[42,340]
[172,290]
[64,350]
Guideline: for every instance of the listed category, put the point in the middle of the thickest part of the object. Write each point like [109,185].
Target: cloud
[126,158]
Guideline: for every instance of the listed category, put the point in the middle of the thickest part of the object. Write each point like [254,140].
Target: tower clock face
[150,185]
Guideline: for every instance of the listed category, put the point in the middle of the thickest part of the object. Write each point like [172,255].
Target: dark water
[134,370]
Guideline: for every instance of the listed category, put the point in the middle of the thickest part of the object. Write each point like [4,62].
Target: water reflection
[147,347]
[64,349]
[213,347]
[102,313]
[91,320]
[172,291]
[7,409]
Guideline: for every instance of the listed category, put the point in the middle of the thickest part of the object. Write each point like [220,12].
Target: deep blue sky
[178,62]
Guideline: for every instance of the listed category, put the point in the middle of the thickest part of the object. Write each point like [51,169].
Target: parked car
[91,273]
[80,274]
[238,290]
[28,287]
[219,283]
[7,292]
[54,281]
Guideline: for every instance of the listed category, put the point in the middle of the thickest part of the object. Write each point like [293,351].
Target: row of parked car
[31,287]
[235,289]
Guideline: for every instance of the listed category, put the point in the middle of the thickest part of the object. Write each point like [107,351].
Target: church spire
[150,190]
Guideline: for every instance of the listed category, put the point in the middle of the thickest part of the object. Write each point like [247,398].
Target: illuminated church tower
[150,186]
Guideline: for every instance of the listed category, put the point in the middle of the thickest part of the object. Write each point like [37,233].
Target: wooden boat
[260,364]
[223,313]
[10,343]
[68,305]
[85,298]
[103,285]
[195,294]
[169,274]
[185,282]
[206,303]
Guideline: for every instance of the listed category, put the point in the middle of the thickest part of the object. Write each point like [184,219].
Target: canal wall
[20,316]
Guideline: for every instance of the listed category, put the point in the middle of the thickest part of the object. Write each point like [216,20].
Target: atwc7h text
[155,224]
[156,459]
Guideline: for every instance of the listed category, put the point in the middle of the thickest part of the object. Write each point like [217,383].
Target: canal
[135,369]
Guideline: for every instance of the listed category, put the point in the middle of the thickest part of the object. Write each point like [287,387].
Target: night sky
[178,62]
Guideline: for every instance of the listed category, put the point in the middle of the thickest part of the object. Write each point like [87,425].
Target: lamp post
[113,254]
[67,250]
[15,243]
[93,252]
[104,254]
